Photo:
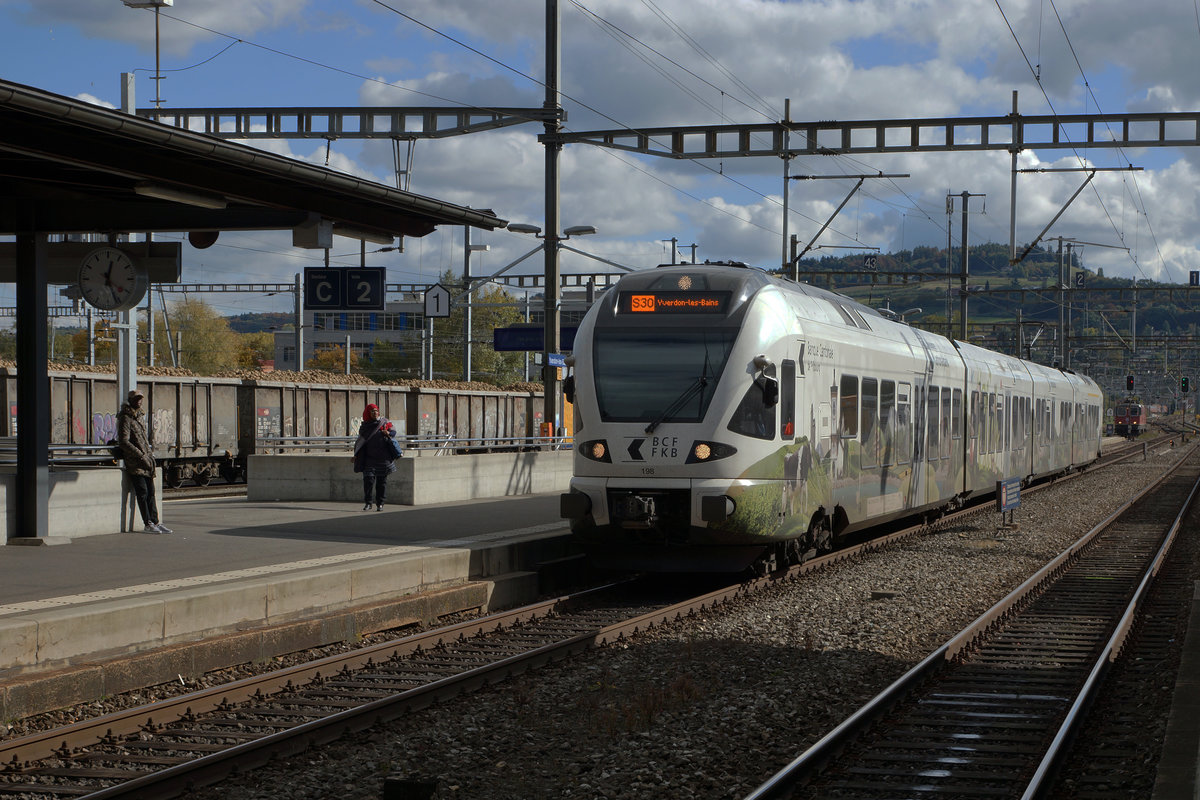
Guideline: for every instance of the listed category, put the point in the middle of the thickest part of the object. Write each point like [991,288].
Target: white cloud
[737,61]
[96,101]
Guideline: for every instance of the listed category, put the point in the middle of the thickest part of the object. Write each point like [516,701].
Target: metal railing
[431,446]
[63,455]
[76,456]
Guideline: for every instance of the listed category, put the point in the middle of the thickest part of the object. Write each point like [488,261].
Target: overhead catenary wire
[765,197]
[1036,72]
[1121,151]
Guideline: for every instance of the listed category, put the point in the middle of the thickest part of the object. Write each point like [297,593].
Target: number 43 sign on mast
[437,301]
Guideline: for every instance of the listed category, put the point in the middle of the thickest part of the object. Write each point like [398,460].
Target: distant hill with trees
[260,322]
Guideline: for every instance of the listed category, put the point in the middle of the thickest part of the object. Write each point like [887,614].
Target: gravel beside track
[711,707]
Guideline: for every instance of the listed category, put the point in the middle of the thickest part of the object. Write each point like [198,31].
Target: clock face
[109,280]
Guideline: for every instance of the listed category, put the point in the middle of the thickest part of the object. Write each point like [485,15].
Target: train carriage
[726,418]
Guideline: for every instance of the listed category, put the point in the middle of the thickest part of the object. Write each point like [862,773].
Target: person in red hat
[139,460]
[374,455]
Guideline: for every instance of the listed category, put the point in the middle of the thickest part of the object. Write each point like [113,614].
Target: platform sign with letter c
[322,289]
[437,301]
[344,289]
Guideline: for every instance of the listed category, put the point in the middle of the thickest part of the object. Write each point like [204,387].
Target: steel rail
[74,740]
[827,748]
[1039,784]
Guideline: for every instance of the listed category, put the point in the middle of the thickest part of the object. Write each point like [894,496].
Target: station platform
[115,612]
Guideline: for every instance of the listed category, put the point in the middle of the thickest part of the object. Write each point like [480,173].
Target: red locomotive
[1129,419]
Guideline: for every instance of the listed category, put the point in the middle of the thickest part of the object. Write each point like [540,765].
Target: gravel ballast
[711,707]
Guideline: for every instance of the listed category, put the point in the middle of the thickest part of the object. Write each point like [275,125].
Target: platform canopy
[69,167]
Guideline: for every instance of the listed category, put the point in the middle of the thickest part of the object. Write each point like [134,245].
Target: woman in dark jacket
[139,460]
[373,455]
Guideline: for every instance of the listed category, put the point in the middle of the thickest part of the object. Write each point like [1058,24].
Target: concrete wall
[86,502]
[416,481]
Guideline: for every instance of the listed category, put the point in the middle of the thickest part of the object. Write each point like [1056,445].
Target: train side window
[1004,411]
[947,441]
[973,422]
[1023,423]
[984,419]
[984,423]
[887,423]
[870,422]
[956,416]
[993,426]
[753,417]
[904,426]
[787,399]
[1028,421]
[932,412]
[848,407]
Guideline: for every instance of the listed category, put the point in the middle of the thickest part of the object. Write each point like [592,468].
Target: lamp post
[156,5]
[550,322]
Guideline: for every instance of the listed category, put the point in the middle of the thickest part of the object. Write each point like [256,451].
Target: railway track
[161,749]
[989,714]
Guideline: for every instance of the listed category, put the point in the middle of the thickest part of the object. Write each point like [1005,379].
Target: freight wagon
[207,427]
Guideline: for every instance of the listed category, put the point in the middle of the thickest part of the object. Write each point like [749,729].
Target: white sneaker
[152,527]
[162,528]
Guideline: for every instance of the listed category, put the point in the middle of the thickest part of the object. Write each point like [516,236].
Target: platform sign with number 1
[437,301]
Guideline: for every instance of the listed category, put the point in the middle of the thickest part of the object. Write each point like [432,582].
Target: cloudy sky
[660,63]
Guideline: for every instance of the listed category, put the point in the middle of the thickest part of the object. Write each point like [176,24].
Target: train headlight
[596,450]
[703,452]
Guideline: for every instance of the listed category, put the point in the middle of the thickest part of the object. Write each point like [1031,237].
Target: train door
[869,429]
[846,455]
[787,399]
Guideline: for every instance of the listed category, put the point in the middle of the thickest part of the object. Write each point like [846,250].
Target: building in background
[399,324]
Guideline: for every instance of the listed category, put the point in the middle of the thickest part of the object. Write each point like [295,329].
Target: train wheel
[823,535]
[793,552]
[202,475]
[173,477]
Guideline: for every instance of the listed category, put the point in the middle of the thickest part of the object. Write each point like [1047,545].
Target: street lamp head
[521,227]
[579,230]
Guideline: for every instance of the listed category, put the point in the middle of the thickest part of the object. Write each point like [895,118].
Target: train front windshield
[641,375]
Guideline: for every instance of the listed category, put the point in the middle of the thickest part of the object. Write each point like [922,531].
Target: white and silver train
[727,419]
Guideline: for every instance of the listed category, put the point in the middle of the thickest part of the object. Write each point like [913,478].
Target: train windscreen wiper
[687,394]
